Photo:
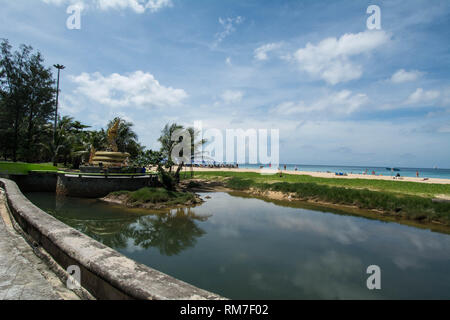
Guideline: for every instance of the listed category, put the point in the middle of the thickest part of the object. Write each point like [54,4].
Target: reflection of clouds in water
[227,231]
[338,228]
[240,214]
[257,214]
[331,276]
[258,280]
[417,246]
[131,247]
[406,247]
[407,262]
[425,242]
[240,257]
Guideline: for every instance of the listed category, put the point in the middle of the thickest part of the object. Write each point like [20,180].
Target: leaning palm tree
[172,136]
[196,150]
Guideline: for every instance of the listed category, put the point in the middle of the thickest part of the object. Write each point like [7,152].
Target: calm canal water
[244,248]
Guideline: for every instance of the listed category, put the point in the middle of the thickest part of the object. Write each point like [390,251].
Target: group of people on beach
[214,166]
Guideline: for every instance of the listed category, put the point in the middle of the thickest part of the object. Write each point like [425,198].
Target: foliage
[167,179]
[156,195]
[175,139]
[27,108]
[428,190]
[127,139]
[148,158]
[26,102]
[406,206]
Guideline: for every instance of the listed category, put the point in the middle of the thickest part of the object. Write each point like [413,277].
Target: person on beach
[417,174]
[284,167]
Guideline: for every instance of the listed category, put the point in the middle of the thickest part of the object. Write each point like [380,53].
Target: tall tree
[13,91]
[27,93]
[40,105]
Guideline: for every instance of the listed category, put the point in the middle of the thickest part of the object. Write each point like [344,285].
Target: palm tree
[168,144]
[67,139]
[127,139]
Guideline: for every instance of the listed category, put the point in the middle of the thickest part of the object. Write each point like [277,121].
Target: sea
[404,172]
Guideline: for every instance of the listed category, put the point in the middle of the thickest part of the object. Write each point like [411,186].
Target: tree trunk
[30,134]
[177,173]
[16,133]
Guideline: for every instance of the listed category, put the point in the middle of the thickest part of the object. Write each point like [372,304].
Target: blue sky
[338,92]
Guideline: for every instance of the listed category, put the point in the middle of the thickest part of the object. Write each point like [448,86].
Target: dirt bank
[124,200]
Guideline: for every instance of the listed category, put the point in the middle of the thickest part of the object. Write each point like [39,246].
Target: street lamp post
[59,67]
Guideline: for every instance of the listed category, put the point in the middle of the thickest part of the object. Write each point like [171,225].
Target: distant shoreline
[329,175]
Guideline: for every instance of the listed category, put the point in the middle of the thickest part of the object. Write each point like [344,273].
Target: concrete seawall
[34,181]
[105,273]
[85,186]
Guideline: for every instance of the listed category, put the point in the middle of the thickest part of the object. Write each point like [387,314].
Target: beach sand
[330,175]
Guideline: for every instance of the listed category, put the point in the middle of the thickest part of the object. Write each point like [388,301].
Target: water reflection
[246,248]
[170,232]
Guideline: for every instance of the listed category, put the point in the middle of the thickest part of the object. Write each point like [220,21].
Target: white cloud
[137,89]
[421,96]
[405,76]
[139,6]
[329,59]
[342,102]
[261,52]
[228,25]
[232,96]
[228,61]
[56,2]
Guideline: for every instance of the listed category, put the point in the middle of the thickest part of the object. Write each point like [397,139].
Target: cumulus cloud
[138,89]
[139,6]
[342,102]
[229,26]
[261,52]
[330,58]
[405,76]
[232,96]
[421,96]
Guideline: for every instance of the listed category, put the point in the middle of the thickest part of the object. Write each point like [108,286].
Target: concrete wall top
[133,279]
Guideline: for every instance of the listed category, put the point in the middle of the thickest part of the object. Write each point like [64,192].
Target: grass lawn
[109,174]
[25,168]
[156,195]
[427,190]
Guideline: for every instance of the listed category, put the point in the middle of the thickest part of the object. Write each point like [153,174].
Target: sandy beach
[332,175]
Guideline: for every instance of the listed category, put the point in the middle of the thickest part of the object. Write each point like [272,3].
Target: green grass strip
[428,190]
[401,205]
[25,168]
